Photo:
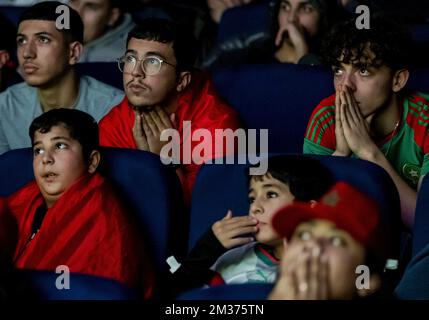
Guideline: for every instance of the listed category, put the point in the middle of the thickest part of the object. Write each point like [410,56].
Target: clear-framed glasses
[150,65]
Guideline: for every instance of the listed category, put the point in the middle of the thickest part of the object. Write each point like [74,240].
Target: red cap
[347,207]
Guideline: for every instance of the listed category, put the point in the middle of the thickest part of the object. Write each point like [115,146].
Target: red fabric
[87,230]
[216,280]
[199,104]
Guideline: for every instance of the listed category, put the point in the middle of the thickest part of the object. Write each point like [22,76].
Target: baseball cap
[345,206]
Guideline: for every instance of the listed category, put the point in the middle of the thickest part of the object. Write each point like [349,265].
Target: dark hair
[166,31]
[390,43]
[80,125]
[307,178]
[46,11]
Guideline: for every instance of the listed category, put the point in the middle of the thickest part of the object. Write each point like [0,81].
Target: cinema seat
[81,287]
[106,72]
[278,97]
[421,222]
[249,291]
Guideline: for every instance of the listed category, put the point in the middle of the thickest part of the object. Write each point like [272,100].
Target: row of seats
[153,192]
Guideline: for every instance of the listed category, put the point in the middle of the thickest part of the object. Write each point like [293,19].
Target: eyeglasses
[150,65]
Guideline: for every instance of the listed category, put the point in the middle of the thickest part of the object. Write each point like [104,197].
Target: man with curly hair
[371,116]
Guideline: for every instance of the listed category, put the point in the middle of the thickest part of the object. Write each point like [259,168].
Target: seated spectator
[163,92]
[70,215]
[297,30]
[245,249]
[370,116]
[327,241]
[106,27]
[8,73]
[47,57]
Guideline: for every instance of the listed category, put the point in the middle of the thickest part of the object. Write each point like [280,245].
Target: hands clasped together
[352,130]
[148,126]
[303,274]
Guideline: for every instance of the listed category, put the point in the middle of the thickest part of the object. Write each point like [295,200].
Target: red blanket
[198,104]
[87,230]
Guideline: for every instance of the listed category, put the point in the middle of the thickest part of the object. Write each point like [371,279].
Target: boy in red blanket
[70,214]
[163,93]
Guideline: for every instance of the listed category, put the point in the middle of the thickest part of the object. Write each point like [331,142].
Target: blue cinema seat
[219,188]
[106,72]
[421,222]
[241,22]
[248,291]
[278,97]
[82,287]
[150,190]
[12,13]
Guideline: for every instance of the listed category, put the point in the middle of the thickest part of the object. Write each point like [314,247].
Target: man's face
[342,252]
[147,91]
[43,53]
[57,162]
[371,85]
[266,196]
[301,12]
[96,16]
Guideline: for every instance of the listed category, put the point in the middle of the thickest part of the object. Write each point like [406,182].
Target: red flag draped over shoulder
[87,230]
[199,104]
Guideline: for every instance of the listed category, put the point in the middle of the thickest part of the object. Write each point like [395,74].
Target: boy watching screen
[244,249]
[70,215]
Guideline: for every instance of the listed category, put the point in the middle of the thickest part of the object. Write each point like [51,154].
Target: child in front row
[337,248]
[70,215]
[245,249]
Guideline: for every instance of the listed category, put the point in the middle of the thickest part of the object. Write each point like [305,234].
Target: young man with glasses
[162,92]
[47,57]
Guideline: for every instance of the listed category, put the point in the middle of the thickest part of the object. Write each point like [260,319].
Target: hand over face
[303,274]
[355,127]
[230,230]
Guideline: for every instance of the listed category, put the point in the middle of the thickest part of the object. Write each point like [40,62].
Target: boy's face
[266,196]
[96,16]
[43,52]
[371,85]
[57,162]
[342,252]
[301,12]
[150,90]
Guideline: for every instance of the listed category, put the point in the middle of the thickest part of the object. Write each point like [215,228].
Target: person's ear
[184,80]
[400,79]
[75,50]
[374,286]
[4,58]
[115,13]
[94,161]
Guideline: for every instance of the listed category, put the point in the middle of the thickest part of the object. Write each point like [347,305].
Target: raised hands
[303,274]
[148,126]
[352,130]
[296,38]
[230,230]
